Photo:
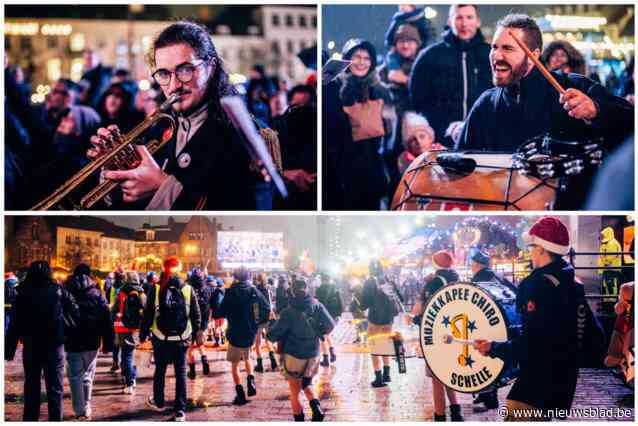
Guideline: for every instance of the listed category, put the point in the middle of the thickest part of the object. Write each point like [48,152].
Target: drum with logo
[455,316]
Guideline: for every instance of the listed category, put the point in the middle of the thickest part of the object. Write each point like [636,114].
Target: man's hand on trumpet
[138,183]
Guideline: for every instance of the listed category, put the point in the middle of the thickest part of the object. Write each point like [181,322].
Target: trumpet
[121,156]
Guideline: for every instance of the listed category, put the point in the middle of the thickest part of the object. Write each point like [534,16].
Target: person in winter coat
[442,262]
[172,320]
[611,277]
[216,301]
[552,304]
[299,330]
[95,79]
[204,297]
[265,290]
[418,137]
[395,73]
[329,297]
[10,295]
[241,307]
[93,332]
[117,106]
[43,315]
[560,55]
[127,317]
[380,299]
[283,294]
[360,110]
[450,75]
[112,294]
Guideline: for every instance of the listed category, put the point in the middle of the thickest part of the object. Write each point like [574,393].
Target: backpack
[388,300]
[261,311]
[173,312]
[133,311]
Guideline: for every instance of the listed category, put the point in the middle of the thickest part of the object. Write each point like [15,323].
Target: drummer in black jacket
[482,273]
[547,349]
[524,104]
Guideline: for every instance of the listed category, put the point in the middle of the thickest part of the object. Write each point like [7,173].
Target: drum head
[463,312]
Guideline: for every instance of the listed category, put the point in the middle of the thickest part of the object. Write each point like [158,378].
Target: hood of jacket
[560,269]
[78,284]
[301,302]
[607,234]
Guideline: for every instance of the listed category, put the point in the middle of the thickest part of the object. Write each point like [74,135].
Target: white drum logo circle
[455,316]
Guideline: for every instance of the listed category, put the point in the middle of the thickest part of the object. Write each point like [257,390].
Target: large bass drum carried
[455,316]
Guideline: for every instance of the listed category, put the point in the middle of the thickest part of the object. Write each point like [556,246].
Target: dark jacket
[301,326]
[217,296]
[329,297]
[39,316]
[94,326]
[487,275]
[96,80]
[501,119]
[372,300]
[218,173]
[204,294]
[547,349]
[441,278]
[359,165]
[283,296]
[439,77]
[149,313]
[239,310]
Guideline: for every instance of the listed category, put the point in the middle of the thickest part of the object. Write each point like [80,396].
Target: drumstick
[538,64]
[448,338]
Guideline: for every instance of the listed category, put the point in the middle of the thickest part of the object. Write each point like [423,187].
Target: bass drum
[455,316]
[493,185]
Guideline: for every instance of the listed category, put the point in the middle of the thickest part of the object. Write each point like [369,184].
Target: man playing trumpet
[204,165]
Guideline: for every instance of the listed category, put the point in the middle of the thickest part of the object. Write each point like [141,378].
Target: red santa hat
[442,260]
[171,265]
[549,233]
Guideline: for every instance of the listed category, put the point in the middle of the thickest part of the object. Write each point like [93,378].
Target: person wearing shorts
[238,307]
[299,330]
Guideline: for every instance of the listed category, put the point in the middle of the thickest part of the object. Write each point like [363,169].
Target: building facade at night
[51,48]
[65,242]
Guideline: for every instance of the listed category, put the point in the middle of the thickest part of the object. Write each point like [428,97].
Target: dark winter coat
[216,299]
[505,117]
[218,173]
[441,278]
[97,80]
[447,78]
[301,326]
[204,295]
[547,349]
[360,165]
[329,297]
[238,309]
[39,314]
[372,301]
[89,334]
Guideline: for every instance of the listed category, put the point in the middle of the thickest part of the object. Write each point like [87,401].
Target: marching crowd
[379,115]
[120,315]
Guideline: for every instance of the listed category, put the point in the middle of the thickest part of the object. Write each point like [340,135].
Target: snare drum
[454,317]
[493,185]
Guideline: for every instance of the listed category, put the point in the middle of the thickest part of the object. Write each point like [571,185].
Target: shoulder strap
[187,291]
[442,278]
[552,279]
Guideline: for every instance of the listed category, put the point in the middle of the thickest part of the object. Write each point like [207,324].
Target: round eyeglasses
[183,73]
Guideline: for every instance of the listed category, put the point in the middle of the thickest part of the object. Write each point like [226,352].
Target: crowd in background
[386,109]
[46,143]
